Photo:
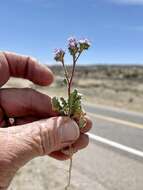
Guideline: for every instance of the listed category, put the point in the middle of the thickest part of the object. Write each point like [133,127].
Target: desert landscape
[120,86]
[113,85]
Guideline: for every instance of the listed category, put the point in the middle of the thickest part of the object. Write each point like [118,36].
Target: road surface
[100,166]
[121,126]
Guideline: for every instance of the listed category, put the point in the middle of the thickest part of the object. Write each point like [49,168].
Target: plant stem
[70,169]
[66,73]
[72,74]
[73,71]
[78,56]
[71,77]
[69,84]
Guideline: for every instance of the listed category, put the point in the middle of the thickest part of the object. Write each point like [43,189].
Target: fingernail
[69,130]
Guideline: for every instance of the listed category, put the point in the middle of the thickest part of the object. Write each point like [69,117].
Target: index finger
[15,65]
[88,125]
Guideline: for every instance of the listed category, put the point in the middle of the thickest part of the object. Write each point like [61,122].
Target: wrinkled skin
[37,130]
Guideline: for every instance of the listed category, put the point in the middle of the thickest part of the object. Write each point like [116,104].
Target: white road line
[116,145]
[115,120]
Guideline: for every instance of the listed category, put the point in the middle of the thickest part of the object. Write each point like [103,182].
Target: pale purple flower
[59,54]
[72,39]
[58,51]
[72,42]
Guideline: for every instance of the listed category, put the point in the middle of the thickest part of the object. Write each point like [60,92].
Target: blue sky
[36,27]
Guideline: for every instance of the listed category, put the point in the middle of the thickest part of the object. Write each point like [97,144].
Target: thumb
[57,133]
[48,135]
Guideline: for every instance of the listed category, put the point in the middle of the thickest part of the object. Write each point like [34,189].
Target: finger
[25,120]
[24,67]
[81,142]
[18,121]
[3,119]
[25,102]
[3,123]
[88,125]
[4,70]
[58,155]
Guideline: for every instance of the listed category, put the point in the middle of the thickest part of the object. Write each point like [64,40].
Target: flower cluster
[74,46]
[72,42]
[77,46]
[59,54]
[84,44]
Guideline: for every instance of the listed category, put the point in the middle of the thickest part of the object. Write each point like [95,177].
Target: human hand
[25,140]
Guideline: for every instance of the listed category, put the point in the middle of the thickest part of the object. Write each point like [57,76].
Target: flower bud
[73,45]
[84,44]
[59,55]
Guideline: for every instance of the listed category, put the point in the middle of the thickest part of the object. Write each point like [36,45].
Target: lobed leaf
[56,104]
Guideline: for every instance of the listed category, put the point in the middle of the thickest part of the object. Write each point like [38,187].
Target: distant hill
[134,72]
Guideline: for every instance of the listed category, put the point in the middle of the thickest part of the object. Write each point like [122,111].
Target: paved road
[116,169]
[116,113]
[121,126]
[99,167]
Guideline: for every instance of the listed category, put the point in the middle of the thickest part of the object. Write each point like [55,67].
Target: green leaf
[63,101]
[71,101]
[64,106]
[56,104]
[74,103]
[65,82]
